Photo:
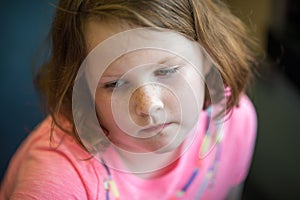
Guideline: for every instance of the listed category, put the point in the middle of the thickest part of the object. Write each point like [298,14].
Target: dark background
[24,28]
[274,172]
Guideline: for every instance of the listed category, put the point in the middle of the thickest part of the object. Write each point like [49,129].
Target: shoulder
[244,112]
[58,170]
[241,124]
[240,131]
[241,121]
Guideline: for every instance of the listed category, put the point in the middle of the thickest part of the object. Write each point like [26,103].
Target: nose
[147,100]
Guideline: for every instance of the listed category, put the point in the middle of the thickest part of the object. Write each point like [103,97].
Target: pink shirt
[39,170]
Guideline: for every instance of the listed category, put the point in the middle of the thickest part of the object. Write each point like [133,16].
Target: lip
[155,128]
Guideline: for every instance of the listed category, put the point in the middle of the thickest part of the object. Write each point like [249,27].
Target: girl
[146,101]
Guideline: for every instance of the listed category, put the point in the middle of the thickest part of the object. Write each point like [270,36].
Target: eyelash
[160,72]
[114,84]
[168,71]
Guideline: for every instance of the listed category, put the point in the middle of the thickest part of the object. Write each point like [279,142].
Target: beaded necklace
[209,178]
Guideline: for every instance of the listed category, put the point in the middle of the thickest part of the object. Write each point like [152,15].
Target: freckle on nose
[146,99]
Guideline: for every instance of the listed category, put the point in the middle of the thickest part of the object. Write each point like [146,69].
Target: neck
[151,165]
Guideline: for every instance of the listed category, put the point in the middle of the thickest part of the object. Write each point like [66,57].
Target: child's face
[147,100]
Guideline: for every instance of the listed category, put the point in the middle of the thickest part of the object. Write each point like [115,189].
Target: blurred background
[274,173]
[24,27]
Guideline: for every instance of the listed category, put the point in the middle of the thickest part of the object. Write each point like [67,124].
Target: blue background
[24,28]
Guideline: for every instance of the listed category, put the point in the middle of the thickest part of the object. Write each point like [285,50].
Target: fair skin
[164,96]
[155,82]
[153,109]
[156,119]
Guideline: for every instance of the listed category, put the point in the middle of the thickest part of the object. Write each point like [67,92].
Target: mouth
[153,130]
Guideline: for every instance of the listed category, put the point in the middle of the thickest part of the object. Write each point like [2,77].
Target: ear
[207,62]
[207,65]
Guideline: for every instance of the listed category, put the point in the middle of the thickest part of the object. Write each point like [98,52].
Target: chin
[169,147]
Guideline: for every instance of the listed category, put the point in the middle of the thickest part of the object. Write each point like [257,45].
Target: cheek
[196,84]
[190,93]
[103,108]
[198,95]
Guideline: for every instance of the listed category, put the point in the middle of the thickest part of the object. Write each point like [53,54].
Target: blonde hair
[208,22]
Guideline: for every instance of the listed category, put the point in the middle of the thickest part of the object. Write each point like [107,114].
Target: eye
[167,71]
[114,84]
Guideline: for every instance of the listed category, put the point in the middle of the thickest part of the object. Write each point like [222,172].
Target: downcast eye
[167,71]
[114,84]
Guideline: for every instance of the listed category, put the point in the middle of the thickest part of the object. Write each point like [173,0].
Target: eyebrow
[162,61]
[169,58]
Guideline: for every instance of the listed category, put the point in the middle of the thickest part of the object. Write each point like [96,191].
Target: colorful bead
[114,189]
[205,145]
[209,174]
[219,138]
[106,185]
[180,193]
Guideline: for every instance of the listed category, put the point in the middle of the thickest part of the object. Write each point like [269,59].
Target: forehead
[96,31]
[144,57]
